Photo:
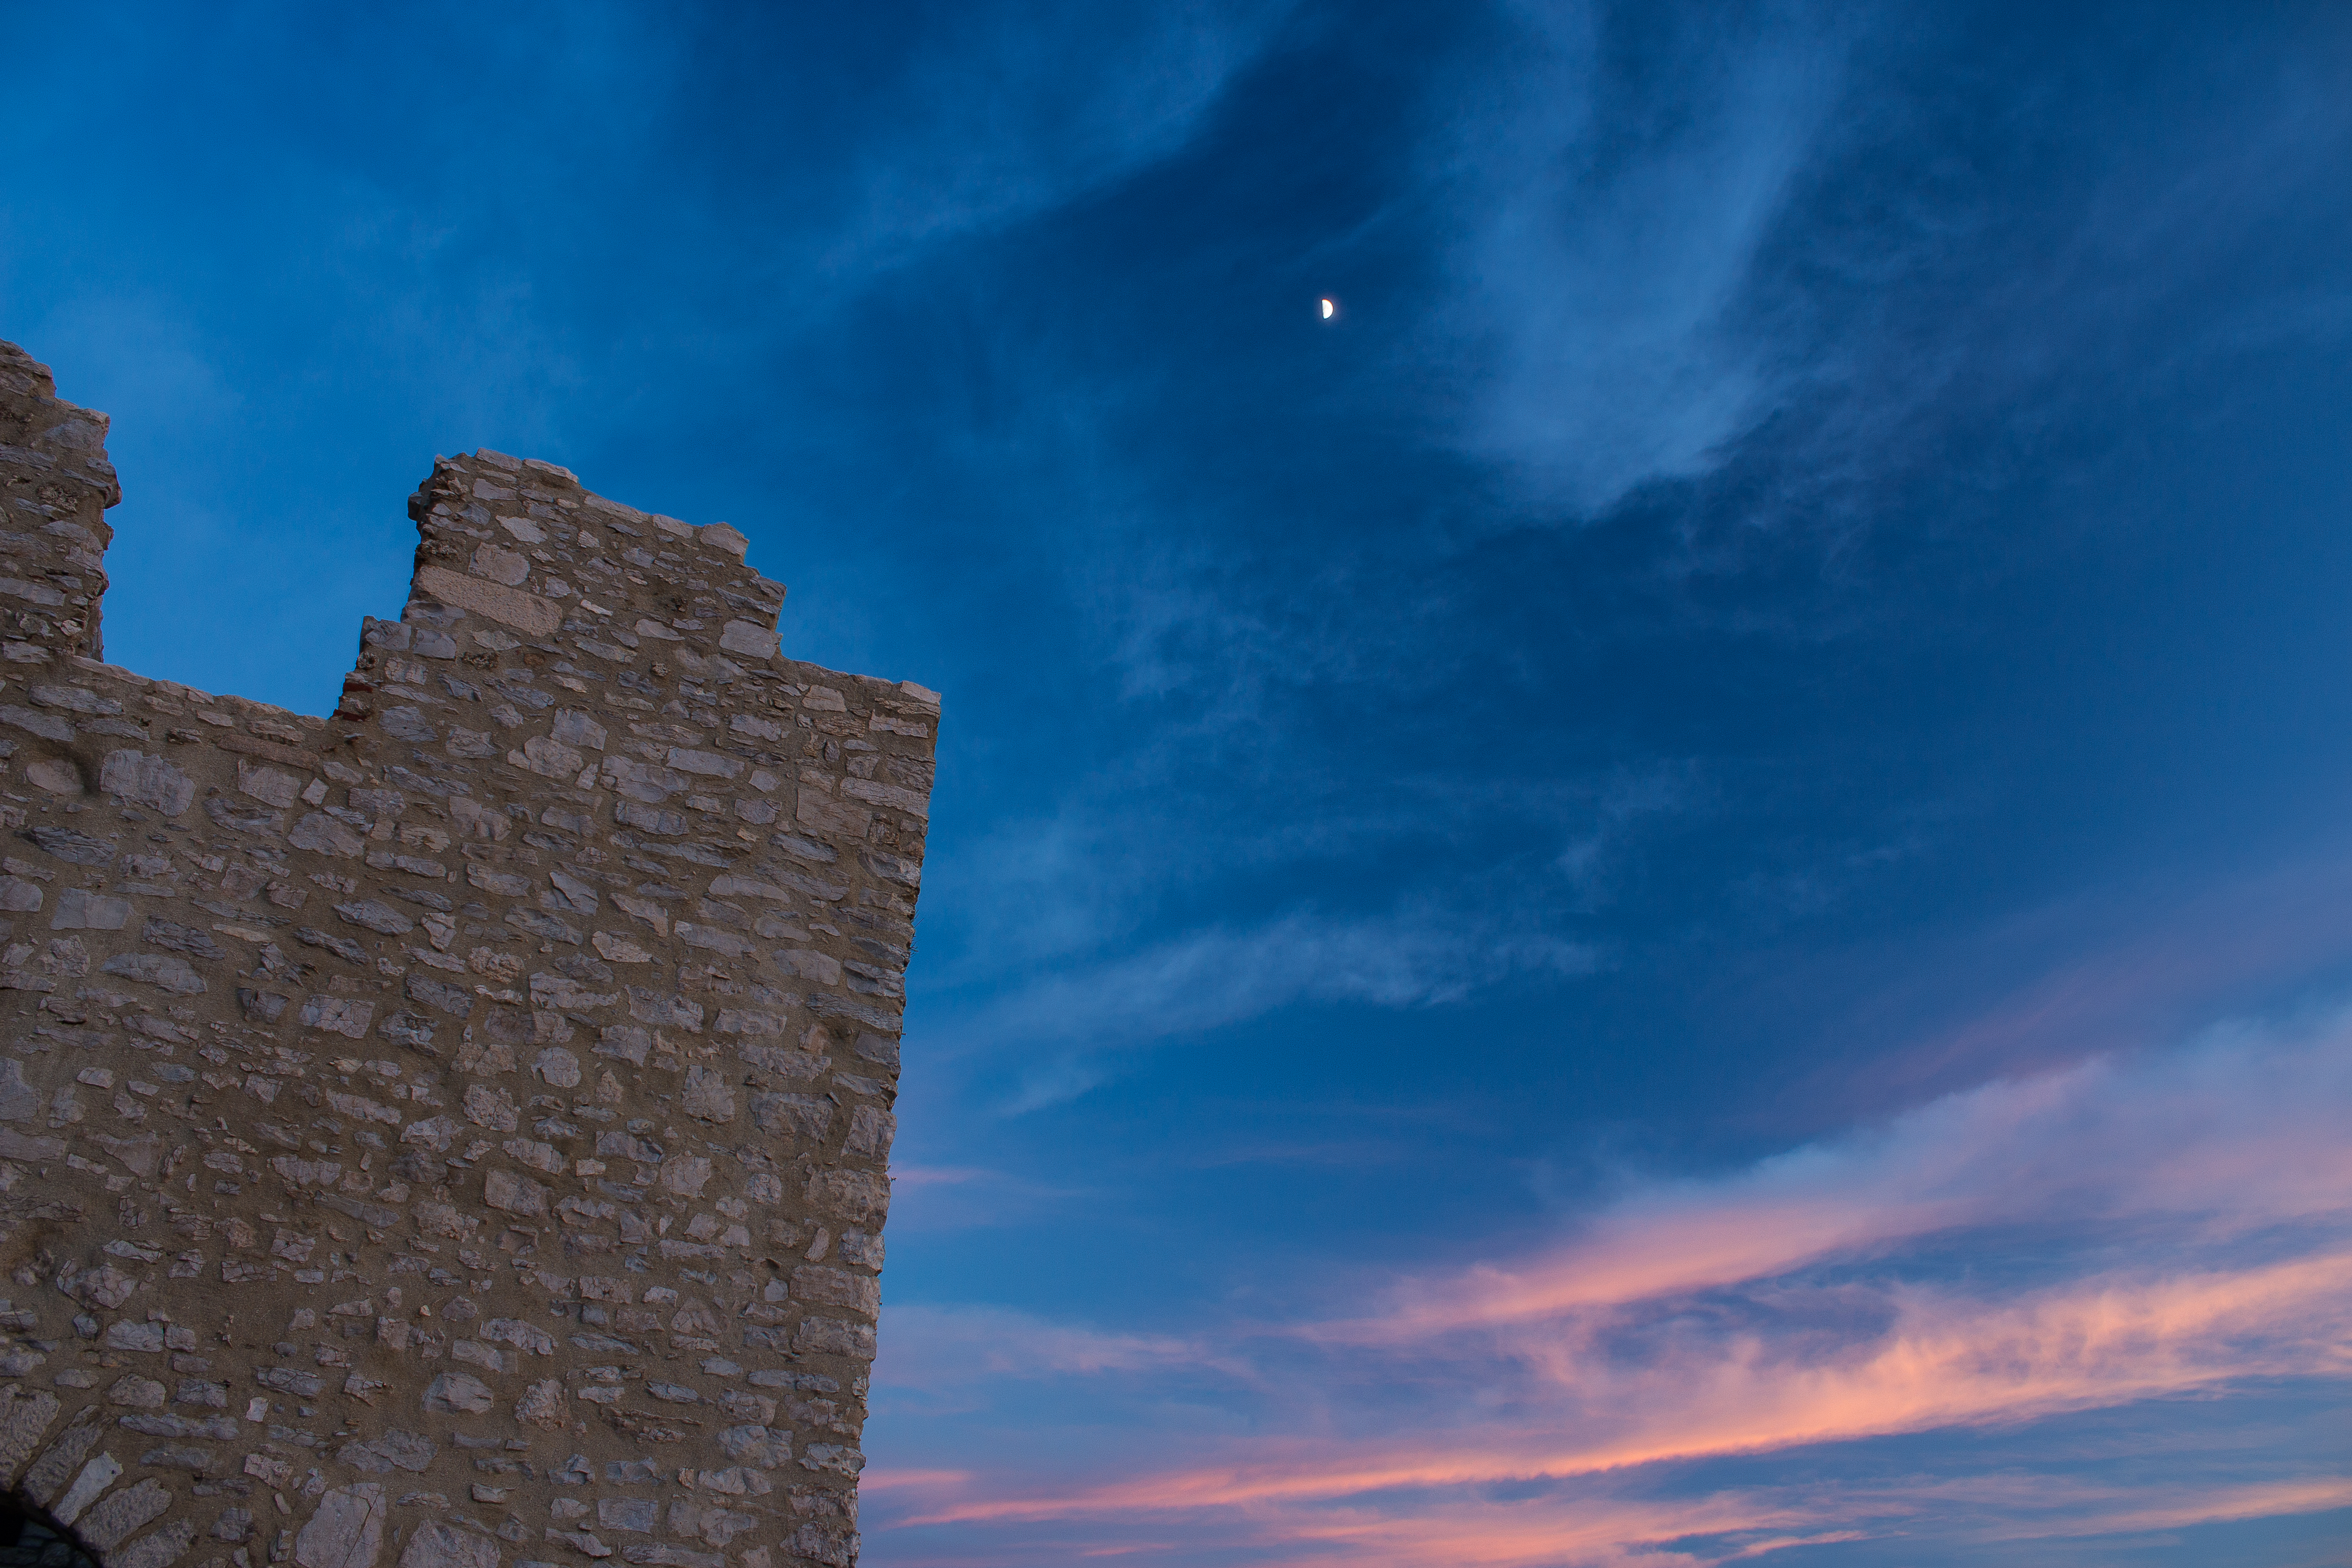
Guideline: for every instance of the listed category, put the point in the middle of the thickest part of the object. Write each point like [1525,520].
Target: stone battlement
[453,1132]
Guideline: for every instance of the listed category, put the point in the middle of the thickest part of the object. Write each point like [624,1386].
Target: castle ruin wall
[451,1133]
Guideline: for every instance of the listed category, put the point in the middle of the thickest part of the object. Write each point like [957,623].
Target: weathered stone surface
[82,910]
[439,1545]
[109,1522]
[395,1449]
[459,1394]
[164,972]
[525,612]
[463,1120]
[147,781]
[542,1406]
[347,1530]
[94,1479]
[833,1456]
[156,1548]
[19,1101]
[323,834]
[24,1417]
[47,1480]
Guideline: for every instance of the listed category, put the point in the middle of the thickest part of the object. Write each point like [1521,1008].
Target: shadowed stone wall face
[451,1133]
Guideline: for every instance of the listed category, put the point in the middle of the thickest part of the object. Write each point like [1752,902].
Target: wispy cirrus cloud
[1685,244]
[935,1349]
[996,115]
[2073,1147]
[1593,1527]
[1606,232]
[2164,960]
[2172,1225]
[1084,1017]
[1946,1359]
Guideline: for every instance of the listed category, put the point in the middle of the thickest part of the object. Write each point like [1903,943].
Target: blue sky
[1679,890]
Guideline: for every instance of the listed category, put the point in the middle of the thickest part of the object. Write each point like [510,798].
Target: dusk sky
[1678,891]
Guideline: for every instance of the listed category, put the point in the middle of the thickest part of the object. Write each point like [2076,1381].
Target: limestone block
[346,1530]
[439,1545]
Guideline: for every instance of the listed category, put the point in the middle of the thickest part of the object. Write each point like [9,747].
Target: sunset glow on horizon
[1797,1306]
[1672,888]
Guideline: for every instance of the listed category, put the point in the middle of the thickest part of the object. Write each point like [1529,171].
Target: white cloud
[932,1349]
[1080,1019]
[1596,264]
[1001,113]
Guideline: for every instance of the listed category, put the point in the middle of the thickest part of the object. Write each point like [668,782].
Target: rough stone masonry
[451,1133]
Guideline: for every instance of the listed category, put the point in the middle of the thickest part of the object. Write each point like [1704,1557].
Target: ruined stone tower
[451,1133]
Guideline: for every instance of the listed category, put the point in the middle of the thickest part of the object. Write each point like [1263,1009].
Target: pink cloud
[1598,1528]
[1949,1360]
[1797,1304]
[2179,958]
[2189,1136]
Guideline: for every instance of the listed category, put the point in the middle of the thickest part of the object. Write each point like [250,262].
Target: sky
[1678,891]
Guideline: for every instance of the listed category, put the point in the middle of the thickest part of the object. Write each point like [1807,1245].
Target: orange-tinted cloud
[1950,1361]
[2197,1136]
[1808,1302]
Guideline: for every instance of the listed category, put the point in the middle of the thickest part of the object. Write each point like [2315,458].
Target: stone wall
[451,1133]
